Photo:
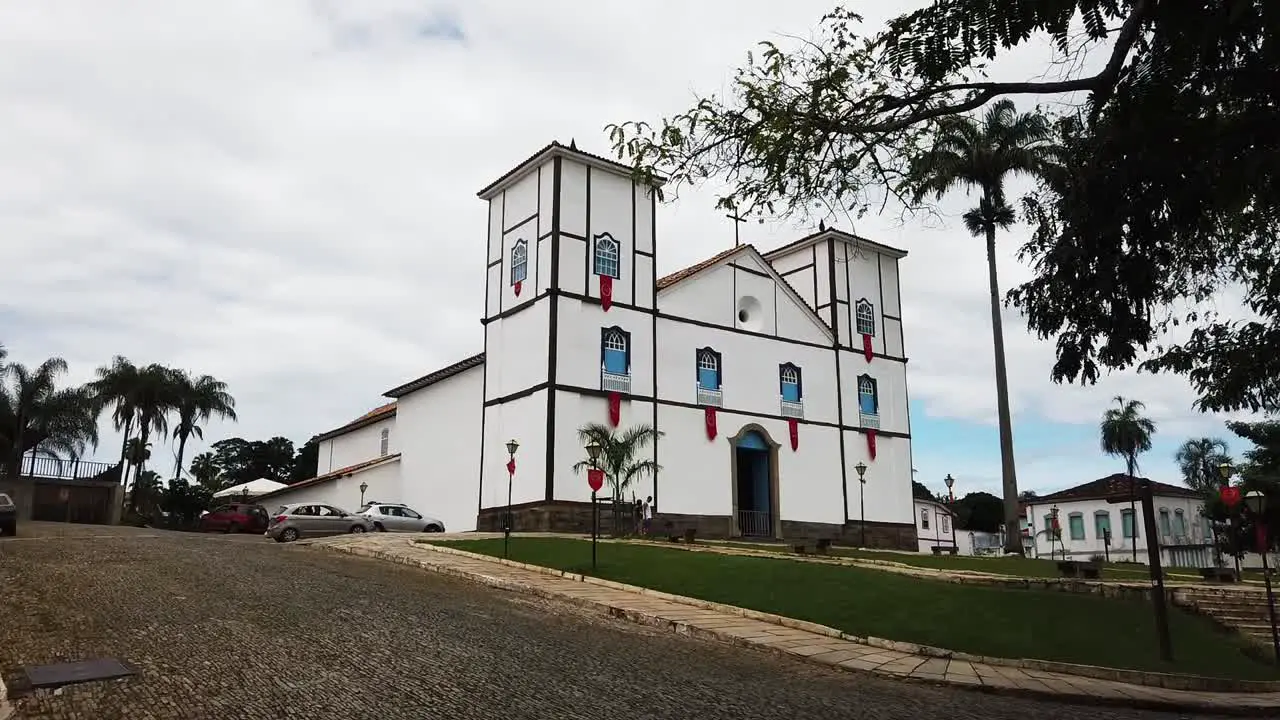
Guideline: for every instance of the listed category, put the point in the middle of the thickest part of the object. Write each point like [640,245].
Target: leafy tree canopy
[1164,197]
[979,511]
[241,461]
[920,492]
[307,461]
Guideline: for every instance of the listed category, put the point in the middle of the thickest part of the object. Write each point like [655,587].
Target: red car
[236,517]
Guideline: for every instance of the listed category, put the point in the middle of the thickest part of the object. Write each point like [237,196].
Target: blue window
[1127,526]
[789,380]
[606,256]
[519,262]
[615,351]
[708,369]
[868,396]
[864,315]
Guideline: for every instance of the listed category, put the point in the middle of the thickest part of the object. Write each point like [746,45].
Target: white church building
[771,376]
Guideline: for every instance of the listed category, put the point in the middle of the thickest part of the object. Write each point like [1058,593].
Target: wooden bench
[1218,574]
[1076,569]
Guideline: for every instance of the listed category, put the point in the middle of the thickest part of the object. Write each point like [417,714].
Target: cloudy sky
[282,194]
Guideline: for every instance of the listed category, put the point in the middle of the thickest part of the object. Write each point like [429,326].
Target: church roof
[549,151]
[836,235]
[436,376]
[1112,487]
[381,412]
[677,276]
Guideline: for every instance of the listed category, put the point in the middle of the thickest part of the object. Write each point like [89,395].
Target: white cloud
[281,194]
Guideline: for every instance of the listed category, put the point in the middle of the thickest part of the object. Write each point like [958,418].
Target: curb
[684,628]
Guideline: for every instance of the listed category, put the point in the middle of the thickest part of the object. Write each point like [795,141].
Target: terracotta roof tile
[677,276]
[379,413]
[334,475]
[380,410]
[1117,486]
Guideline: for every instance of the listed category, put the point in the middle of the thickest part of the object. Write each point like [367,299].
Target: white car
[394,517]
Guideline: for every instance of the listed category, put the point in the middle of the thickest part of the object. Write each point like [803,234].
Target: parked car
[394,517]
[291,522]
[8,516]
[236,517]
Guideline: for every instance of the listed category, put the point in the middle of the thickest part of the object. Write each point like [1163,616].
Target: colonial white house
[771,376]
[936,528]
[1105,518]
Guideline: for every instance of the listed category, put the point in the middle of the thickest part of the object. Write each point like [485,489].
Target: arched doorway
[754,463]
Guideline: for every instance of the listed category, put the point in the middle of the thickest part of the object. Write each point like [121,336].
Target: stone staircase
[1240,609]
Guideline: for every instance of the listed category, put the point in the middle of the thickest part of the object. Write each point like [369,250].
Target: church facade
[773,377]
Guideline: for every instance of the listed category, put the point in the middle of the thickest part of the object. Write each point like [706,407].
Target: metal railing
[613,382]
[869,420]
[792,409]
[755,523]
[707,396]
[39,466]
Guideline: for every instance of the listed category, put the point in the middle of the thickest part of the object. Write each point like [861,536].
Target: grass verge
[1065,627]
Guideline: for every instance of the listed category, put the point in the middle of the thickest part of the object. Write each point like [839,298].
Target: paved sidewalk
[812,642]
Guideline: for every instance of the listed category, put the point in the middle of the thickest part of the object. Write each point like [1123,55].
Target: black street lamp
[363,487]
[950,481]
[512,446]
[862,503]
[1055,532]
[1257,504]
[593,455]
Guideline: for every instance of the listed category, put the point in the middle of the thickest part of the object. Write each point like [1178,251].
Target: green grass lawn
[1015,566]
[1001,622]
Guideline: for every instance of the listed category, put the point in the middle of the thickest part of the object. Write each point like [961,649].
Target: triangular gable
[838,236]
[747,257]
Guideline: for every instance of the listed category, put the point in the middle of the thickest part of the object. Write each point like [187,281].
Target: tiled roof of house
[379,413]
[1117,486]
[436,376]
[571,150]
[341,472]
[848,237]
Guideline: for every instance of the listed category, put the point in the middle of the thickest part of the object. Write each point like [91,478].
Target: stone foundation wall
[575,517]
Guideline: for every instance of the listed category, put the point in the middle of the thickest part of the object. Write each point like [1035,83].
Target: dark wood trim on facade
[553,325]
[653,324]
[520,223]
[751,271]
[793,271]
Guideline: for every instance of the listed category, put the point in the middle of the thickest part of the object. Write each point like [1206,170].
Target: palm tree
[37,416]
[146,493]
[116,385]
[1199,459]
[198,400]
[155,396]
[979,154]
[618,454]
[1126,433]
[205,470]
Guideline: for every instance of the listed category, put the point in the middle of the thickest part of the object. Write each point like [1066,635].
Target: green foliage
[241,461]
[206,472]
[184,502]
[979,511]
[197,400]
[306,463]
[619,454]
[1125,432]
[1166,194]
[1200,460]
[920,492]
[38,415]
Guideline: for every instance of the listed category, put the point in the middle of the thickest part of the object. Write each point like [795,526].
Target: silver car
[290,522]
[394,517]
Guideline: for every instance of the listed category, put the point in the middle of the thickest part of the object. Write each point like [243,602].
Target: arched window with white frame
[868,402]
[864,315]
[615,359]
[384,442]
[607,256]
[519,261]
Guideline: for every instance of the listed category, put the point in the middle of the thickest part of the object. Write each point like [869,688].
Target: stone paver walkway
[798,639]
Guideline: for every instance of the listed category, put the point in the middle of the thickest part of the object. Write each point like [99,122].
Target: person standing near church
[646,513]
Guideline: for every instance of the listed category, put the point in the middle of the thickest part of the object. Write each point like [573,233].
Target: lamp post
[1054,533]
[512,446]
[862,502]
[1226,470]
[363,487]
[1257,504]
[951,482]
[594,481]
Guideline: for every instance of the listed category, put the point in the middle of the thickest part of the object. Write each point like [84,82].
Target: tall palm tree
[205,470]
[1125,432]
[619,451]
[154,396]
[198,400]
[39,417]
[978,155]
[1199,459]
[116,386]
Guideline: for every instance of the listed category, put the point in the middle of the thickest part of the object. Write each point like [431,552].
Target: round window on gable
[742,316]
[750,314]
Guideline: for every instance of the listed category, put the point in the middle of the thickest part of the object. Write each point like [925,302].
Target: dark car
[8,516]
[236,517]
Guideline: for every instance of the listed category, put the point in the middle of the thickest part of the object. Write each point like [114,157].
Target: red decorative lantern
[871,444]
[615,408]
[511,466]
[518,284]
[793,426]
[1230,496]
[866,347]
[606,292]
[595,480]
[709,413]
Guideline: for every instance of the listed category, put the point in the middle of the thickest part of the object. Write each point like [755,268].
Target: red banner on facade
[867,352]
[793,426]
[709,413]
[606,292]
[871,444]
[615,408]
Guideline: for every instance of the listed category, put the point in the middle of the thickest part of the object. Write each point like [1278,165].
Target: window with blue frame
[789,380]
[708,369]
[868,396]
[607,256]
[615,351]
[519,262]
[864,316]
